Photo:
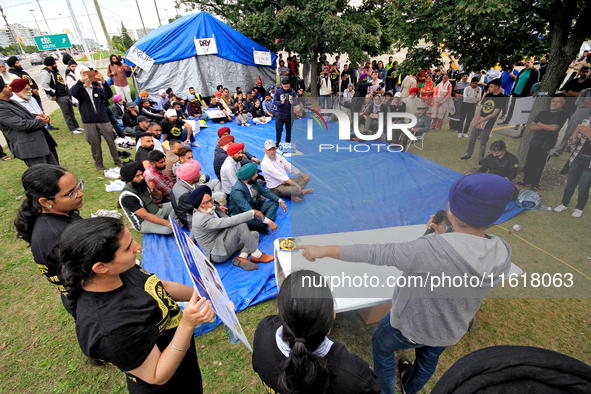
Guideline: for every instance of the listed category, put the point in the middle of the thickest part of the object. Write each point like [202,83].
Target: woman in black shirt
[291,352]
[53,198]
[127,316]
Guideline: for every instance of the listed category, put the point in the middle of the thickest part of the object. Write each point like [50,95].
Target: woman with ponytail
[126,316]
[53,197]
[292,353]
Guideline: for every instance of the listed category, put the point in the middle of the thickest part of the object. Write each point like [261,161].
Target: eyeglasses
[74,193]
[206,203]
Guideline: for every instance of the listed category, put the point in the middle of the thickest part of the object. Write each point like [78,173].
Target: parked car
[35,59]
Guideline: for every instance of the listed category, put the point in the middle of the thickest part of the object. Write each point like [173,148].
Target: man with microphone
[427,318]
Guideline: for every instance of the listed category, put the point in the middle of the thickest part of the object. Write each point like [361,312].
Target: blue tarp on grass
[352,191]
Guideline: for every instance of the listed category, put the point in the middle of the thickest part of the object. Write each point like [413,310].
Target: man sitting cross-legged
[220,236]
[189,177]
[247,194]
[275,168]
[155,174]
[137,202]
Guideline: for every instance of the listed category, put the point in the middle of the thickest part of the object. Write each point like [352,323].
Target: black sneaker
[534,188]
[50,127]
[465,157]
[480,162]
[521,183]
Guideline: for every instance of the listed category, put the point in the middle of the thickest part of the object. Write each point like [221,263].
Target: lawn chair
[407,142]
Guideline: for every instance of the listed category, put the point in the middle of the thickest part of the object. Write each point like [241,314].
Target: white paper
[262,57]
[205,46]
[139,58]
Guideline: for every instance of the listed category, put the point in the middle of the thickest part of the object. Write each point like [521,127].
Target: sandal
[6,158]
[404,365]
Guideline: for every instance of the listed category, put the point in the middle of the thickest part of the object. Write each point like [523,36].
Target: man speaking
[430,319]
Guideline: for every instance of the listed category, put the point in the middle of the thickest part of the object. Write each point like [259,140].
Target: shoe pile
[126,143]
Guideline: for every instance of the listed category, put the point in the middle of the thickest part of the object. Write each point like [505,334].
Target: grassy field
[39,352]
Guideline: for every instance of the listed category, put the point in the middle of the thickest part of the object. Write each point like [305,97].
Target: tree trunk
[561,55]
[314,74]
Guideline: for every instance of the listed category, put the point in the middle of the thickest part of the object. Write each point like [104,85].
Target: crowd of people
[130,318]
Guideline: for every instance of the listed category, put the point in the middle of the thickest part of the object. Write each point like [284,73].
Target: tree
[307,28]
[484,33]
[116,41]
[126,39]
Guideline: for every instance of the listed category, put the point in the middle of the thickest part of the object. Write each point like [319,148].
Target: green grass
[39,352]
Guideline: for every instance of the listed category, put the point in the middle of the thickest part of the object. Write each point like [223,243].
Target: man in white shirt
[377,88]
[472,95]
[276,167]
[231,166]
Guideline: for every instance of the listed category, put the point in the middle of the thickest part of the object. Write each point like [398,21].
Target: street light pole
[33,12]
[47,24]
[77,27]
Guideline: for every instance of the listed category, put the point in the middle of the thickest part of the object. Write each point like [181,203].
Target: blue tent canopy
[231,45]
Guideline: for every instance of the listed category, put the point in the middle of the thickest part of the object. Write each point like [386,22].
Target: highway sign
[55,41]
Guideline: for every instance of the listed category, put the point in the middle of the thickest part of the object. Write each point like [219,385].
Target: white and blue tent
[173,49]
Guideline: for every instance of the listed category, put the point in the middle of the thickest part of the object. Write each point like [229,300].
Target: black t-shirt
[131,203]
[348,372]
[45,240]
[545,139]
[172,131]
[575,86]
[505,166]
[122,326]
[490,102]
[392,74]
[257,112]
[142,154]
[586,148]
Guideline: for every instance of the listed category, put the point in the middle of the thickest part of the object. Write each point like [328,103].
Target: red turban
[225,140]
[18,85]
[235,148]
[222,131]
[413,90]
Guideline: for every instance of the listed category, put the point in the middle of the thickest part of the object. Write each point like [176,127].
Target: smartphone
[586,122]
[92,76]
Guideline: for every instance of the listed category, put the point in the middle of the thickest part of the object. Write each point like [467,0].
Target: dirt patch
[552,180]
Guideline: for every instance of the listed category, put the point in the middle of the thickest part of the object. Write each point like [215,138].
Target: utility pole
[100,15]
[47,24]
[77,27]
[140,11]
[157,14]
[18,44]
[91,25]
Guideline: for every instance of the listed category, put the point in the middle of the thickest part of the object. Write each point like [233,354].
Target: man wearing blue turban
[428,318]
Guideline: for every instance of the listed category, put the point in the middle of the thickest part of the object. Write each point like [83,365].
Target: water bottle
[547,208]
[233,338]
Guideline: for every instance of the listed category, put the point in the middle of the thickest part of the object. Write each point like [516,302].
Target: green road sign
[55,41]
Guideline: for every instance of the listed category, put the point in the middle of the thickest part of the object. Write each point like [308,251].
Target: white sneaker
[80,129]
[577,213]
[247,125]
[76,132]
[459,135]
[196,145]
[560,208]
[465,135]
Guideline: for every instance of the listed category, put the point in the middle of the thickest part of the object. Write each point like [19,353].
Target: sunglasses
[74,193]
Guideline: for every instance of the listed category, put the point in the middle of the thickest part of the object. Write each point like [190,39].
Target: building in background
[139,33]
[18,30]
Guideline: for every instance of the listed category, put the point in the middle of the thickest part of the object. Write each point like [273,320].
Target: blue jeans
[326,101]
[579,174]
[386,340]
[184,135]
